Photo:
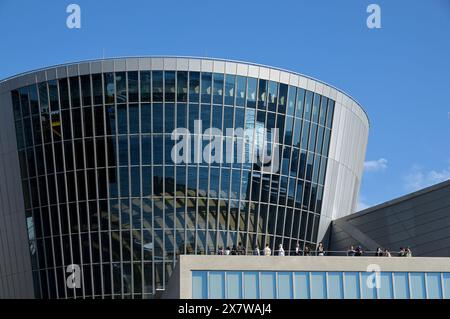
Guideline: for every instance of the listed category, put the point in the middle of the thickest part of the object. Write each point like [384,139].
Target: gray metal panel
[15,266]
[419,220]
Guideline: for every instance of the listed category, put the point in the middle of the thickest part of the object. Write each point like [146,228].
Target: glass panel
[417,282]
[251,92]
[386,290]
[240,90]
[234,285]
[229,89]
[157,80]
[291,100]
[401,288]
[194,86]
[133,86]
[335,287]
[206,87]
[301,285]
[108,79]
[145,86]
[318,285]
[268,285]
[218,88]
[368,280]
[121,87]
[262,94]
[182,86]
[216,285]
[434,287]
[446,282]
[282,97]
[330,113]
[199,285]
[315,109]
[169,88]
[251,290]
[351,287]
[285,285]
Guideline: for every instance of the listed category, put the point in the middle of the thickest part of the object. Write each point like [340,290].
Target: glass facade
[319,285]
[101,189]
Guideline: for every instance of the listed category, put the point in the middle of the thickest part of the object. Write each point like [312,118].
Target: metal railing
[288,253]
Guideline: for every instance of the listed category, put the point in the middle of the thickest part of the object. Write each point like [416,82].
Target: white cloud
[375,165]
[420,178]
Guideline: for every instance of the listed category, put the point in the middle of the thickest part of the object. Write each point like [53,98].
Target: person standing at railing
[307,251]
[408,252]
[241,249]
[221,251]
[297,250]
[320,250]
[387,253]
[359,251]
[267,251]
[256,251]
[351,251]
[280,250]
[234,250]
[379,252]
[227,251]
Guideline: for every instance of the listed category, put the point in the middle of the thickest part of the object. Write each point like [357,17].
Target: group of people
[320,251]
[240,250]
[358,251]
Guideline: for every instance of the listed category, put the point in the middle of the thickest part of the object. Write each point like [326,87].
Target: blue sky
[399,73]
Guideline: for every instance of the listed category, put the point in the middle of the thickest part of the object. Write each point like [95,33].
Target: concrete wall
[15,264]
[182,284]
[420,220]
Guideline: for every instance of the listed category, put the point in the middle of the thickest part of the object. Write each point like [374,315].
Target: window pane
[199,285]
[285,285]
[216,285]
[229,89]
[240,90]
[268,285]
[318,285]
[206,87]
[157,78]
[385,291]
[182,85]
[367,292]
[97,87]
[291,100]
[108,79]
[301,284]
[434,287]
[330,113]
[145,86]
[169,78]
[446,288]
[234,285]
[251,92]
[351,285]
[335,287]
[194,86]
[401,285]
[218,88]
[146,118]
[417,282]
[251,290]
[133,86]
[282,97]
[121,87]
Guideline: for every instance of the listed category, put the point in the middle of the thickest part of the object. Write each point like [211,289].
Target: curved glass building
[93,173]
